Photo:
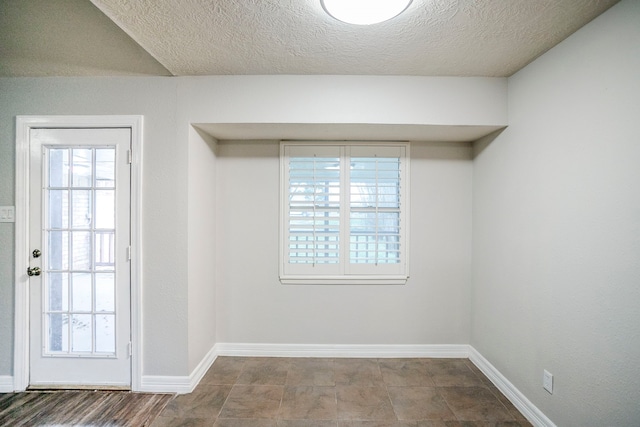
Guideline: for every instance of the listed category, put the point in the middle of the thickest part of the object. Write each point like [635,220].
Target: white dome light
[364,12]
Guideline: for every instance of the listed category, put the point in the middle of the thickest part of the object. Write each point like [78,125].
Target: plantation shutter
[344,210]
[375,216]
[313,209]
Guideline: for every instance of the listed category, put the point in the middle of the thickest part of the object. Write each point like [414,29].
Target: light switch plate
[7,214]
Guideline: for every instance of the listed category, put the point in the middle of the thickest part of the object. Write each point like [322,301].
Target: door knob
[35,271]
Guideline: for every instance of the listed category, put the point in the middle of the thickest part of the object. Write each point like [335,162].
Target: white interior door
[79,285]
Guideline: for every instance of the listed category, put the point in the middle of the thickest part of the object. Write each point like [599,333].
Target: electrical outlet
[547,381]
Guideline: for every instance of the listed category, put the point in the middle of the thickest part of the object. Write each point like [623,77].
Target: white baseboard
[178,384]
[519,400]
[6,384]
[202,368]
[165,384]
[339,350]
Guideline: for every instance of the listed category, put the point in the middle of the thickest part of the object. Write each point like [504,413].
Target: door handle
[35,271]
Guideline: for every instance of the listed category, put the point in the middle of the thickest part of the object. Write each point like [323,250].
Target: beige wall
[432,308]
[201,246]
[556,228]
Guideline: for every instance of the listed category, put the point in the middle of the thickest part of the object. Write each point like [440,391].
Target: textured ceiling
[213,37]
[433,37]
[67,38]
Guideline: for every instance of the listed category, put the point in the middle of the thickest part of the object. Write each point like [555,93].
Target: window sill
[344,280]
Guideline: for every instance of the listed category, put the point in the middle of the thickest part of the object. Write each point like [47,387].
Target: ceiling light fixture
[364,12]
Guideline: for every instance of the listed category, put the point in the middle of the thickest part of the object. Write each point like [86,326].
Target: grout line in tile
[446,403]
[281,400]
[225,401]
[386,387]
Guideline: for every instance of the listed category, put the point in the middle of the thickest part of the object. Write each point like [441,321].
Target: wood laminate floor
[80,408]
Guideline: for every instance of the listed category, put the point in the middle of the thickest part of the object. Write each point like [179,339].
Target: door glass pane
[105,333]
[81,208]
[105,292]
[82,167]
[59,167]
[105,251]
[58,291]
[105,167]
[81,249]
[105,209]
[58,332]
[80,270]
[58,209]
[58,250]
[81,295]
[81,332]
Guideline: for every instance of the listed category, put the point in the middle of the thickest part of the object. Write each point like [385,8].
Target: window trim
[345,279]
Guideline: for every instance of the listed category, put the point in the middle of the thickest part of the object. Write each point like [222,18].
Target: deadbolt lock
[36,253]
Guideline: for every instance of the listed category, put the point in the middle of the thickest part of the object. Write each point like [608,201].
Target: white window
[344,213]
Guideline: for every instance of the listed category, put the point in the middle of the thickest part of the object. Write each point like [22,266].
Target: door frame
[24,124]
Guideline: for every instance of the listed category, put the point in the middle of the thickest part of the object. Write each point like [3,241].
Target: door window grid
[79,280]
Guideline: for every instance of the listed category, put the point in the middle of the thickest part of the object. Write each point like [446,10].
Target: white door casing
[91,359]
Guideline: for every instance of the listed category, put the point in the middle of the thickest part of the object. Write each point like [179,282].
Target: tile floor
[301,392]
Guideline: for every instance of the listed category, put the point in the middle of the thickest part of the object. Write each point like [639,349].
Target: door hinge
[129,156]
[128,253]
[129,349]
